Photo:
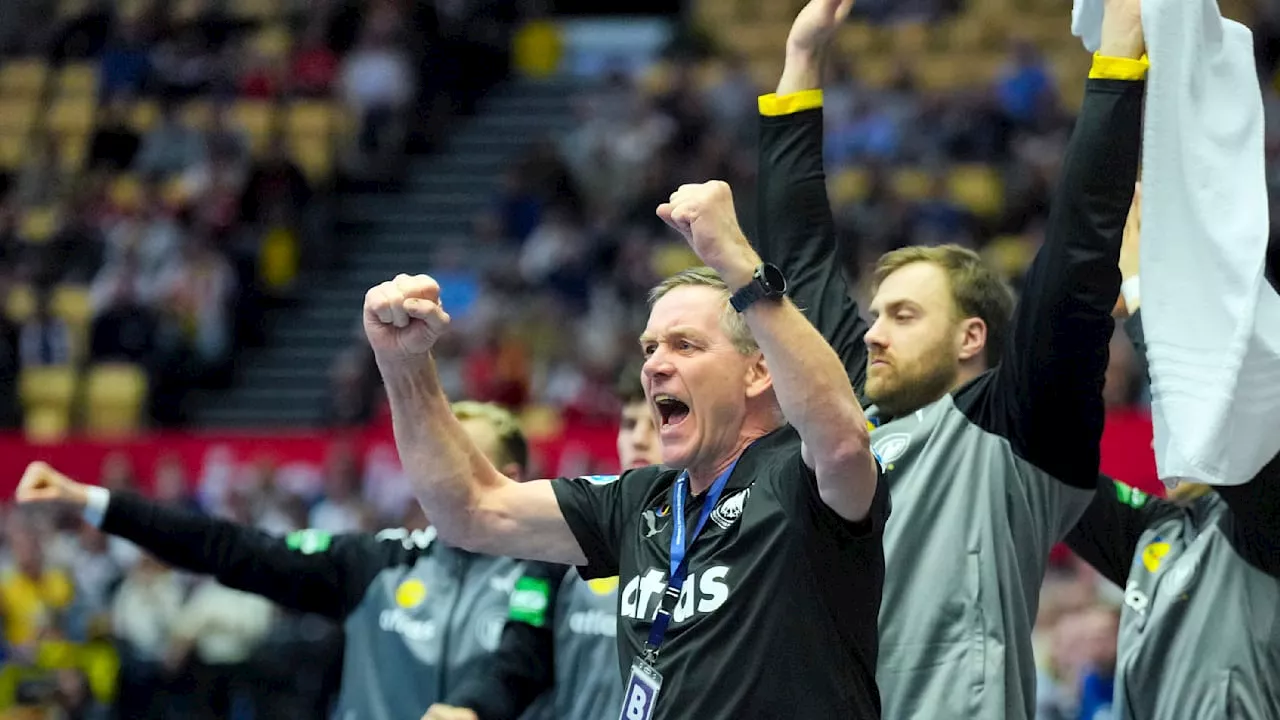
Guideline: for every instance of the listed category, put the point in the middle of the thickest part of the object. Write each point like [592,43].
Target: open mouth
[671,410]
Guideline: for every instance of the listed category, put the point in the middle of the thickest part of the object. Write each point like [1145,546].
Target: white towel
[1212,323]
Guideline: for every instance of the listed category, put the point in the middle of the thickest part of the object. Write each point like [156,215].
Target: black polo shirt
[777,618]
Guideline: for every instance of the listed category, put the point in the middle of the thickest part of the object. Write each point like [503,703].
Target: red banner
[299,458]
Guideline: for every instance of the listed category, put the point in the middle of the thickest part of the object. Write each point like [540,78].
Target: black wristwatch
[767,283]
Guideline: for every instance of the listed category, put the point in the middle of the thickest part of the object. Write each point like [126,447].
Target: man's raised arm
[1049,399]
[470,503]
[808,378]
[795,229]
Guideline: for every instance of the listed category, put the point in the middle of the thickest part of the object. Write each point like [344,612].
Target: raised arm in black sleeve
[1107,534]
[1046,394]
[795,229]
[327,575]
[1255,506]
[523,666]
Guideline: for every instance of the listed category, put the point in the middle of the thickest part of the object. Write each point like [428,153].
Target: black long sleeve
[523,666]
[1107,534]
[1045,396]
[309,571]
[796,232]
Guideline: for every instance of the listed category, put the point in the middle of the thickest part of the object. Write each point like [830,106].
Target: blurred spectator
[33,596]
[146,606]
[342,509]
[115,144]
[117,473]
[75,253]
[171,486]
[212,638]
[41,180]
[123,327]
[1026,85]
[196,293]
[186,65]
[44,339]
[314,66]
[378,85]
[519,207]
[171,147]
[125,64]
[97,573]
[260,77]
[275,185]
[350,400]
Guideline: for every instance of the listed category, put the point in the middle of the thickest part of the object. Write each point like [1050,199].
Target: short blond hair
[511,440]
[976,289]
[730,321]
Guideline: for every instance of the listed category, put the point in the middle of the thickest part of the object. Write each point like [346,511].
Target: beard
[909,386]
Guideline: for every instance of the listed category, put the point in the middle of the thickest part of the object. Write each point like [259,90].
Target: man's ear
[973,338]
[513,471]
[759,381]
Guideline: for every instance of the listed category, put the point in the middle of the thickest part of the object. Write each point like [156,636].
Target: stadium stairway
[377,235]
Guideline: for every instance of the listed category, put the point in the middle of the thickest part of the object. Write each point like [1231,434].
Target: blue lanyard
[679,548]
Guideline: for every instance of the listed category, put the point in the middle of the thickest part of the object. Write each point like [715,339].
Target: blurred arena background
[195,194]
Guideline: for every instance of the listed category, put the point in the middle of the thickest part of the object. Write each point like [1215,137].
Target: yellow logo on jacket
[410,594]
[1153,555]
[603,586]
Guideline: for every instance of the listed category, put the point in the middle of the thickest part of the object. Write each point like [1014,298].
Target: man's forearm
[444,465]
[802,70]
[810,383]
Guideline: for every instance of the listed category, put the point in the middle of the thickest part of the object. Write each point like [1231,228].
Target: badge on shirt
[642,691]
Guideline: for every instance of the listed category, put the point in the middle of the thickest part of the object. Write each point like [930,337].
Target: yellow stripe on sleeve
[1114,68]
[774,105]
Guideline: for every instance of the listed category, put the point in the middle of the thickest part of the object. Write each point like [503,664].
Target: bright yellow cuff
[1114,68]
[774,105]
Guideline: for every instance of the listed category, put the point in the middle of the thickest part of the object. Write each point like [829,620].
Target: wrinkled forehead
[922,284]
[694,309]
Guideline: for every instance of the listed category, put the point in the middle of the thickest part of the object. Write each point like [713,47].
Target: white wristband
[1129,291]
[95,506]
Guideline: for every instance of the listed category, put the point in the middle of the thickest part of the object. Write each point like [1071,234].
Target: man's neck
[700,480]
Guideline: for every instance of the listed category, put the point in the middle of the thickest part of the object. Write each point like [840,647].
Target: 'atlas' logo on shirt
[703,592]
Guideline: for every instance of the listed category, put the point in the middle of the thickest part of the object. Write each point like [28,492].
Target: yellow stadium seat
[78,80]
[541,421]
[537,49]
[133,9]
[256,118]
[115,395]
[46,424]
[144,115]
[977,187]
[20,303]
[1009,255]
[849,186]
[197,114]
[72,151]
[912,184]
[72,115]
[311,119]
[273,42]
[126,191]
[13,150]
[908,37]
[184,11]
[17,115]
[876,71]
[71,303]
[23,77]
[670,258]
[38,224]
[52,385]
[314,156]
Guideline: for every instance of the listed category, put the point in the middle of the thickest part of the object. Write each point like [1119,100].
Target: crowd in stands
[163,179]
[170,229]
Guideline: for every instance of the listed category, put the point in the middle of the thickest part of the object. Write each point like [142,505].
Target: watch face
[774,281]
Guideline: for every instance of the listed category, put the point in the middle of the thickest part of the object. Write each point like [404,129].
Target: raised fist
[403,317]
[448,712]
[41,483]
[817,23]
[705,216]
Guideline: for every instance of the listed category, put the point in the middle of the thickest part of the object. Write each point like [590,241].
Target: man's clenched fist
[403,317]
[705,216]
[41,483]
